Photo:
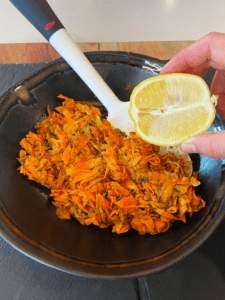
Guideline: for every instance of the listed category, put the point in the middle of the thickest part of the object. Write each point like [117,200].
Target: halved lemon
[168,109]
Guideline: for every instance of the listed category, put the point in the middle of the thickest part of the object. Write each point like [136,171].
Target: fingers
[211,144]
[218,88]
[206,53]
[198,58]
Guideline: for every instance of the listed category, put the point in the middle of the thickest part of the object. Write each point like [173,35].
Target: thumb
[211,144]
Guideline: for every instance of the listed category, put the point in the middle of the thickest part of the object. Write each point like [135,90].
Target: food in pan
[101,176]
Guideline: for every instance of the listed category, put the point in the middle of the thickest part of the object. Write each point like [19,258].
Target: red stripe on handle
[50,25]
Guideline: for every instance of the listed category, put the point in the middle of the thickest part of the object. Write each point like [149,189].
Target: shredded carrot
[128,87]
[101,176]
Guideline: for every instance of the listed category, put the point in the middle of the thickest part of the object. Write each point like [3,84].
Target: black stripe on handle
[40,14]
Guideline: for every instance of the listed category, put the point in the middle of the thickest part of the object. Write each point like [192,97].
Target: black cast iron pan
[27,217]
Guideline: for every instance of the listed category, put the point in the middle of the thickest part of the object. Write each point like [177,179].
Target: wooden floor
[44,52]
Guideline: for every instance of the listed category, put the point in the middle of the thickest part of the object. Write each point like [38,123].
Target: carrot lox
[101,176]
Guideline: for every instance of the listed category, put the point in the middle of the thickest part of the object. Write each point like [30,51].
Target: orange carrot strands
[101,176]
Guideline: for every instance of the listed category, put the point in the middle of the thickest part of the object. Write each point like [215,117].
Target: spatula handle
[40,14]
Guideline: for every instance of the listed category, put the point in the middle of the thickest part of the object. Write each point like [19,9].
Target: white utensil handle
[68,49]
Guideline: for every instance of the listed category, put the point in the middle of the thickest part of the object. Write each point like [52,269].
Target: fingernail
[189,148]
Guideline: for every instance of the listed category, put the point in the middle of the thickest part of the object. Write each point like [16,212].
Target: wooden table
[44,52]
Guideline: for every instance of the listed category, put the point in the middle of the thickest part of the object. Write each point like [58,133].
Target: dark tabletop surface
[200,276]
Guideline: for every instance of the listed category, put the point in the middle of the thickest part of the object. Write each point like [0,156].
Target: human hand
[204,54]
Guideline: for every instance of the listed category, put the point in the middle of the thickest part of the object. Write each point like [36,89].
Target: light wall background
[120,20]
